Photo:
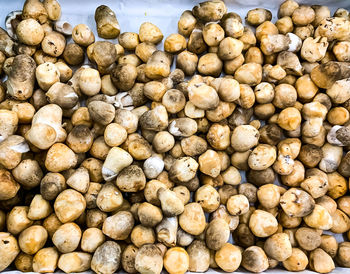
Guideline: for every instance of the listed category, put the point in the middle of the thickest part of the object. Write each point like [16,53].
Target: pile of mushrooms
[125,163]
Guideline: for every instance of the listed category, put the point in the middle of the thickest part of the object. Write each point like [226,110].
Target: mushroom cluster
[126,163]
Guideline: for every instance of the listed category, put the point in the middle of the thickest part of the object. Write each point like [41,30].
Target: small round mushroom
[74,262]
[60,157]
[9,186]
[67,237]
[9,249]
[320,261]
[51,185]
[128,258]
[269,196]
[176,260]
[149,32]
[228,257]
[244,137]
[82,35]
[119,225]
[343,254]
[298,261]
[278,247]
[319,218]
[297,203]
[237,204]
[263,223]
[192,220]
[258,16]
[183,170]
[199,256]
[23,262]
[91,239]
[39,208]
[109,198]
[142,235]
[210,64]
[32,239]
[262,157]
[69,205]
[329,244]
[170,202]
[254,259]
[187,61]
[217,234]
[149,259]
[45,260]
[17,220]
[175,43]
[47,74]
[106,258]
[107,23]
[128,40]
[73,54]
[149,215]
[53,44]
[208,197]
[30,32]
[308,238]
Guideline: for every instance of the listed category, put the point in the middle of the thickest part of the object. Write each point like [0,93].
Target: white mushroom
[14,15]
[63,27]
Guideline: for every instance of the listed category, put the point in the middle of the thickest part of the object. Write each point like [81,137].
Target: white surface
[165,14]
